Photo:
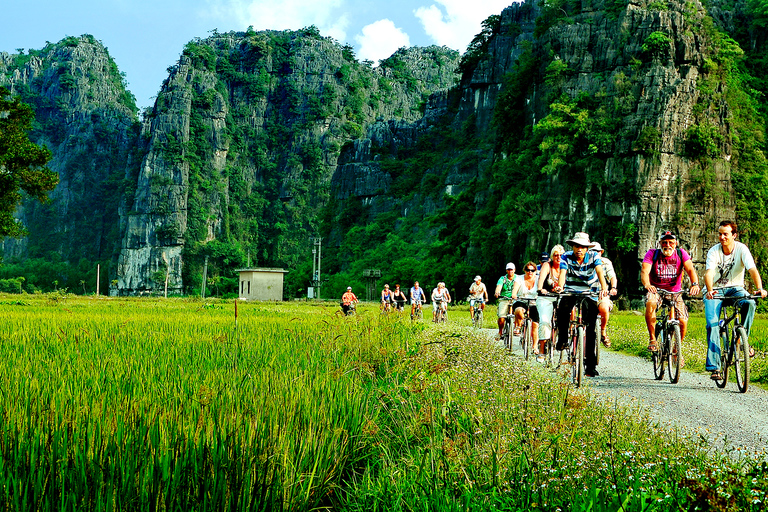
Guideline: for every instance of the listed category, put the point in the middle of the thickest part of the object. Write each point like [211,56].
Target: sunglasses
[530,270]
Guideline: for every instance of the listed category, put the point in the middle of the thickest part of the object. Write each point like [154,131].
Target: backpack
[657,255]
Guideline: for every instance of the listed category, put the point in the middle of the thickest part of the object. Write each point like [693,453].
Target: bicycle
[734,343]
[440,313]
[668,337]
[577,335]
[385,307]
[477,306]
[417,314]
[551,342]
[526,330]
[347,312]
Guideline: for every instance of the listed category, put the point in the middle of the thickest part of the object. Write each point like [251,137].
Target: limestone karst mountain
[615,117]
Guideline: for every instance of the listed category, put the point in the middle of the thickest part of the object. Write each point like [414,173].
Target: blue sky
[146,36]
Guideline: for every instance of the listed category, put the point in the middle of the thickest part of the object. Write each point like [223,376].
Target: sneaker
[541,359]
[591,372]
[716,375]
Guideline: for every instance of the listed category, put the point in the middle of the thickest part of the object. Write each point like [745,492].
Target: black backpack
[657,254]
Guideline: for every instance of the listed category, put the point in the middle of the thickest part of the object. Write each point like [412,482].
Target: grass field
[117,404]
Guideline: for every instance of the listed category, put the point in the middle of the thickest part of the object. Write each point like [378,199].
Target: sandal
[716,375]
[606,341]
[751,352]
[652,346]
[516,332]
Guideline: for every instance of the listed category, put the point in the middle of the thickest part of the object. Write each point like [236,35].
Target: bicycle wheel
[674,353]
[741,359]
[528,336]
[725,347]
[506,338]
[598,339]
[658,358]
[524,335]
[578,367]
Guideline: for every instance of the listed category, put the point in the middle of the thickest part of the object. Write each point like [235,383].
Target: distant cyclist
[347,300]
[503,292]
[399,297]
[549,276]
[663,270]
[440,299]
[386,298]
[417,297]
[725,268]
[479,292]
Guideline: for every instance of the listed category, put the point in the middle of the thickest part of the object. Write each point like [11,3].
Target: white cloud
[379,40]
[454,23]
[283,15]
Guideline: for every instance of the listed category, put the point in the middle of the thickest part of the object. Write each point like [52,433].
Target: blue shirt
[418,294]
[580,278]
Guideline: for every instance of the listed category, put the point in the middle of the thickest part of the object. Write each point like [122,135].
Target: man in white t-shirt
[725,267]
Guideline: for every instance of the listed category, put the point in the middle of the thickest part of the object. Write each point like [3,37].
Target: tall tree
[22,163]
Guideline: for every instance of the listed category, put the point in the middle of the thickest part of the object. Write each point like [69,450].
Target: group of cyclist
[585,269]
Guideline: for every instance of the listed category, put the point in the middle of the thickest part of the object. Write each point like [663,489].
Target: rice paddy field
[151,404]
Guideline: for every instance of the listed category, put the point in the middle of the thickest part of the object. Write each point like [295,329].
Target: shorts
[504,307]
[533,312]
[436,303]
[608,300]
[681,312]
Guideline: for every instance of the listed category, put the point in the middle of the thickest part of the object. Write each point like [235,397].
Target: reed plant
[110,404]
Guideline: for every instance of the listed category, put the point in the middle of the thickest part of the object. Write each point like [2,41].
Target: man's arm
[755,275]
[709,281]
[601,278]
[498,288]
[645,278]
[691,271]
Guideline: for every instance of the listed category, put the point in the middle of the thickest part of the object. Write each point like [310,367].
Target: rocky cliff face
[243,140]
[646,83]
[85,116]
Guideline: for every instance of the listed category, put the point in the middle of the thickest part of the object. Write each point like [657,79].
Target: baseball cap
[597,247]
[477,278]
[510,265]
[544,257]
[667,235]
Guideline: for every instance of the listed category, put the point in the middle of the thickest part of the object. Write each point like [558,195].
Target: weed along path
[724,418]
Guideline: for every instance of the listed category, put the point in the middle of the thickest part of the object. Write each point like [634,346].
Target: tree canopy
[22,163]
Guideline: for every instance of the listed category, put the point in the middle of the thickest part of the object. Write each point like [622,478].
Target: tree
[22,163]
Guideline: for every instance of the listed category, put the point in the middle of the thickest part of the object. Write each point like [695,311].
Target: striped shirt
[580,278]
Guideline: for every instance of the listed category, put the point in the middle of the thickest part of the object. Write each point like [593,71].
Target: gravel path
[725,417]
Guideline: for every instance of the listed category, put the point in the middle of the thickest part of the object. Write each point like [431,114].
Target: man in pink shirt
[663,269]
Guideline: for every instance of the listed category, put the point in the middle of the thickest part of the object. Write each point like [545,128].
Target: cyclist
[417,297]
[726,263]
[440,298]
[347,300]
[398,296]
[479,292]
[386,298]
[504,293]
[605,305]
[525,287]
[579,270]
[663,269]
[549,276]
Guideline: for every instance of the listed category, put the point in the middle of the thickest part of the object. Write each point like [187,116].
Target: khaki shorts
[504,305]
[681,312]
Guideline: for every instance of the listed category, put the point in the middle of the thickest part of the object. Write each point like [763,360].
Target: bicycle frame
[668,336]
[734,342]
[577,330]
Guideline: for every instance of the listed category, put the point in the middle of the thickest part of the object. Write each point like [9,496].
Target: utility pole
[205,277]
[317,256]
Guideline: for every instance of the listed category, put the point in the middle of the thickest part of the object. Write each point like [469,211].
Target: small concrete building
[261,283]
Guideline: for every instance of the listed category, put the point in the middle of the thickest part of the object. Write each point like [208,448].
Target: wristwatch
[694,284]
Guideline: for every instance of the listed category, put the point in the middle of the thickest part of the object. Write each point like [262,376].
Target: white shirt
[729,269]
